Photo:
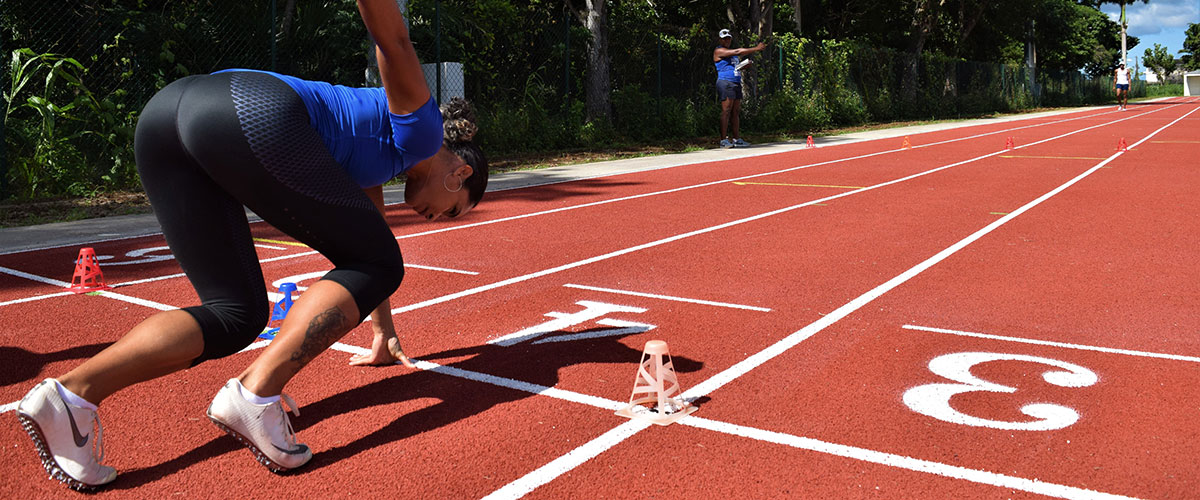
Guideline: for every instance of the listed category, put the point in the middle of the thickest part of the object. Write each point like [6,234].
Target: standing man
[1121,85]
[729,85]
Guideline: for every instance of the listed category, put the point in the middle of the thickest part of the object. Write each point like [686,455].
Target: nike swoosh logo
[298,451]
[80,440]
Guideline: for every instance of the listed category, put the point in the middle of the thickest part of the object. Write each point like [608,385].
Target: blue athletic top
[351,122]
[726,69]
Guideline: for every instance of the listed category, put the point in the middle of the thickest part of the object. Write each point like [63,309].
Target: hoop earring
[447,186]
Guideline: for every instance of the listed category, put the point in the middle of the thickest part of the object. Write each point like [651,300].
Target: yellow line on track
[278,242]
[1054,157]
[795,185]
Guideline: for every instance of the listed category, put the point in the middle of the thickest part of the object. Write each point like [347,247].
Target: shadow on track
[19,366]
[459,398]
[219,445]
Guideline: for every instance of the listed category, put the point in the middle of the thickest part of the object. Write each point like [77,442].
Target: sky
[1160,21]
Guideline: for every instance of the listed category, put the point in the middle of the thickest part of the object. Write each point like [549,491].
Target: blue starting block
[279,310]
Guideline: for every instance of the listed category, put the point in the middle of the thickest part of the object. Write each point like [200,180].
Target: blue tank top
[372,144]
[726,69]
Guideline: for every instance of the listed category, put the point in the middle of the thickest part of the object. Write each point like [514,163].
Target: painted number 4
[934,399]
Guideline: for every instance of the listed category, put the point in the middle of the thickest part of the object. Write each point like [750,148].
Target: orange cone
[810,144]
[657,380]
[1009,143]
[87,277]
[1121,145]
[907,144]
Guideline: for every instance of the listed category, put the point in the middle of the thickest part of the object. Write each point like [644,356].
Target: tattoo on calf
[323,331]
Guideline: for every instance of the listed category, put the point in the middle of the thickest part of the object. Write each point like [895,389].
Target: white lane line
[273,296]
[270,247]
[563,464]
[622,328]
[149,280]
[289,256]
[36,297]
[901,461]
[667,297]
[50,281]
[134,300]
[543,390]
[34,277]
[743,367]
[263,343]
[442,269]
[1081,347]
[670,239]
[752,176]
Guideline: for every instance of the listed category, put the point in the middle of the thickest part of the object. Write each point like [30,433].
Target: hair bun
[458,119]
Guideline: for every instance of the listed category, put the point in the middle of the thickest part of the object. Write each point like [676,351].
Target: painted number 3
[934,399]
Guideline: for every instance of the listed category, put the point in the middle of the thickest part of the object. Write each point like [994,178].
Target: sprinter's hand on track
[385,350]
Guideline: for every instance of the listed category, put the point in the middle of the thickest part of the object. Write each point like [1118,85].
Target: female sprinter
[310,159]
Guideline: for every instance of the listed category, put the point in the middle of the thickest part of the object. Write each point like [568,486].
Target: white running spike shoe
[265,429]
[56,427]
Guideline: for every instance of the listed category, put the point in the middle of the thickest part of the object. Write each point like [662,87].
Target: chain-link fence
[68,128]
[78,73]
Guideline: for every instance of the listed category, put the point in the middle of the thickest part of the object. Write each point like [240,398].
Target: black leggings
[208,144]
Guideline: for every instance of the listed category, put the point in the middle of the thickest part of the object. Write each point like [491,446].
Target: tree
[968,16]
[924,17]
[1073,36]
[594,16]
[796,16]
[1190,55]
[1160,61]
[1124,22]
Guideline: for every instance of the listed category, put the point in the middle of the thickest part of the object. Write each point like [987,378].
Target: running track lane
[335,368]
[766,399]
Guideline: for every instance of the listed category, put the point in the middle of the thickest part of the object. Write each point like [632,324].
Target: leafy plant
[56,128]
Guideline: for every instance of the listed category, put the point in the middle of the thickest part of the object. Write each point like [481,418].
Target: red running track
[859,320]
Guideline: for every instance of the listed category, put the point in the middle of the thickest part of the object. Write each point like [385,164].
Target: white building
[1191,83]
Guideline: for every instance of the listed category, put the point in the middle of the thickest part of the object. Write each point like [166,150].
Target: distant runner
[1121,85]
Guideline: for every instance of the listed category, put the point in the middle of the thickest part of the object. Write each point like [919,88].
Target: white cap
[725,34]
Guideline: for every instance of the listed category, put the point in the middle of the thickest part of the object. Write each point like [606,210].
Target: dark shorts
[208,144]
[728,90]
[1122,86]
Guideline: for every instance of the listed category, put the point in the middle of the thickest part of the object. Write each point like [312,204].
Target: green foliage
[1164,90]
[1160,61]
[1190,55]
[847,62]
[1071,36]
[61,138]
[791,111]
[323,41]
